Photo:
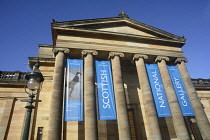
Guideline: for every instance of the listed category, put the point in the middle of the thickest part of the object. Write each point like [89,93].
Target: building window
[40,133]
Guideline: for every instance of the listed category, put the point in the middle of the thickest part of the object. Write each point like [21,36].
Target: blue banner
[106,101]
[159,95]
[180,90]
[73,105]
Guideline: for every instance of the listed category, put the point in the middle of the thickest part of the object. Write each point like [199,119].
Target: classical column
[121,107]
[200,116]
[89,96]
[55,117]
[148,102]
[178,120]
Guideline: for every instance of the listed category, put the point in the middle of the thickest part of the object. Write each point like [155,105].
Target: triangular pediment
[126,30]
[122,25]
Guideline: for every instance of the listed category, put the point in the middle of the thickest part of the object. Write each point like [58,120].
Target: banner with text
[159,95]
[73,105]
[106,101]
[180,90]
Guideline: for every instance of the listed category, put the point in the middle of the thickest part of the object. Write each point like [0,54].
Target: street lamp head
[34,79]
[33,82]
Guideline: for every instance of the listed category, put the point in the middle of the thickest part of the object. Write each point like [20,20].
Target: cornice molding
[121,34]
[44,59]
[122,18]
[46,46]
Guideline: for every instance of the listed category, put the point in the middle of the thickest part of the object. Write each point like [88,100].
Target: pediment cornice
[94,24]
[122,36]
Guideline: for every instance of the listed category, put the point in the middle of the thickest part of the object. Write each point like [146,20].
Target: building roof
[95,25]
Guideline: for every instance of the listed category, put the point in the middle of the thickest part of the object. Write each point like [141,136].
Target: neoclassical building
[130,47]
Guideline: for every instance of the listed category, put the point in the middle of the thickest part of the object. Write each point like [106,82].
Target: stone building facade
[128,45]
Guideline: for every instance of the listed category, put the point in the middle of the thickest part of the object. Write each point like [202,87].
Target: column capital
[160,58]
[85,52]
[137,56]
[64,50]
[180,59]
[113,54]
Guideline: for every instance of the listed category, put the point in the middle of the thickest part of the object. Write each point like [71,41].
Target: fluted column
[55,117]
[89,96]
[151,115]
[178,120]
[121,107]
[200,116]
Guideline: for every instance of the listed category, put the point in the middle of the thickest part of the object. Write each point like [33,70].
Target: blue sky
[26,23]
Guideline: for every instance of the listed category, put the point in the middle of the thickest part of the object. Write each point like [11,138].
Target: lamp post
[33,82]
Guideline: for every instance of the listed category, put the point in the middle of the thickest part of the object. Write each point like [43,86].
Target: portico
[108,39]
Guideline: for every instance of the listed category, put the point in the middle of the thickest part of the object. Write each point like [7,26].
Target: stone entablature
[104,44]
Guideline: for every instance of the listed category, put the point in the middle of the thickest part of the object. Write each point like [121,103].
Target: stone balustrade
[12,77]
[6,76]
[201,83]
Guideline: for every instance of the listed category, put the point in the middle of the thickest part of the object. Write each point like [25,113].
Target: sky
[26,23]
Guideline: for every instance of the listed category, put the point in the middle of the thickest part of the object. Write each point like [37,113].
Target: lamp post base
[29,107]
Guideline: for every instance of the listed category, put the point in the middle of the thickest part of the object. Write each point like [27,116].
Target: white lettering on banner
[105,90]
[158,89]
[181,91]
